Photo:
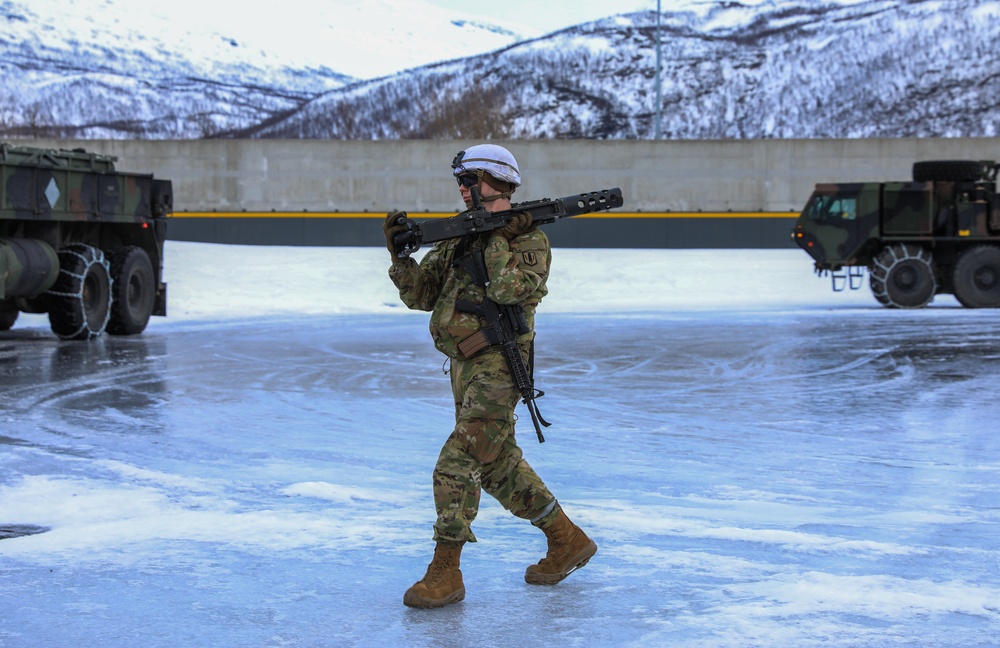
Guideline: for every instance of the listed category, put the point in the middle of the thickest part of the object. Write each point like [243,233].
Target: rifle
[504,323]
[478,220]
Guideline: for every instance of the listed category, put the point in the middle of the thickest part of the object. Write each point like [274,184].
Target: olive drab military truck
[80,242]
[939,233]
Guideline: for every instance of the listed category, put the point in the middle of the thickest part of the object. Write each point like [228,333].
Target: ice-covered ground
[761,461]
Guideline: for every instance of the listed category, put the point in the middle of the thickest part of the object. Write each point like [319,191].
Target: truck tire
[947,171]
[976,280]
[80,299]
[8,315]
[902,276]
[133,290]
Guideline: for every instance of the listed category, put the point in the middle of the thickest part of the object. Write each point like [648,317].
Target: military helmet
[489,158]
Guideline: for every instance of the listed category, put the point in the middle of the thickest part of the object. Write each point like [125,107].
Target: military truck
[80,242]
[936,234]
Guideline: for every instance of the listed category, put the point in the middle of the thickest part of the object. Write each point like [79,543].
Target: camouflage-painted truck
[80,242]
[938,234]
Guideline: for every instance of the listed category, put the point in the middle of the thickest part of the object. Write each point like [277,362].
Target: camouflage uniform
[482,452]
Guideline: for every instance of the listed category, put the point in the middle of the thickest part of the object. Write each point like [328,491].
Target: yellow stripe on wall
[428,215]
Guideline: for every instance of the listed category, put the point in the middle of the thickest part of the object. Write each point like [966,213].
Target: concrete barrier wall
[677,193]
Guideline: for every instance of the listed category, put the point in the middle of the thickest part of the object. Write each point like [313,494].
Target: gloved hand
[517,226]
[391,228]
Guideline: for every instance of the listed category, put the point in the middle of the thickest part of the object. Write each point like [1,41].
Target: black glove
[518,225]
[393,225]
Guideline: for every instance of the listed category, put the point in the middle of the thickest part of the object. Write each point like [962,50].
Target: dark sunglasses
[467,180]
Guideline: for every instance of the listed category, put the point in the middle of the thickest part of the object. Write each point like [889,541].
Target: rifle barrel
[584,203]
[543,212]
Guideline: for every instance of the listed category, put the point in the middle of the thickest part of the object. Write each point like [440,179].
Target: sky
[553,15]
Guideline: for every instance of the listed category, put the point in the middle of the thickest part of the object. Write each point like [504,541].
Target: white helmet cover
[490,158]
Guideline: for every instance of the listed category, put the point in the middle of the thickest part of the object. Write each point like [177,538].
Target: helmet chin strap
[479,187]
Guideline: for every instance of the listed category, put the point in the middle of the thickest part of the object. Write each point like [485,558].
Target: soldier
[481,452]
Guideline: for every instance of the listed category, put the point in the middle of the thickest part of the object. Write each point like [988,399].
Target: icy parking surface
[771,474]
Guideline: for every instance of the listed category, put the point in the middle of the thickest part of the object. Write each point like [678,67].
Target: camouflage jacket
[517,270]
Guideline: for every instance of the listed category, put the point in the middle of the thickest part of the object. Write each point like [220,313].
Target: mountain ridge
[798,69]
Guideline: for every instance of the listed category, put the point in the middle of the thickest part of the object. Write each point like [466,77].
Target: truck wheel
[8,315]
[947,171]
[902,276]
[133,291]
[977,277]
[80,299]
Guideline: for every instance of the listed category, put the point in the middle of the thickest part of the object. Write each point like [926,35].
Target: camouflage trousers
[482,453]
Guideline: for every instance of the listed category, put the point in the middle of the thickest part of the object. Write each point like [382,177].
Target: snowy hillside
[758,69]
[189,69]
[783,70]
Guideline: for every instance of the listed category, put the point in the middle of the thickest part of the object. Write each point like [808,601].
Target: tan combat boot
[569,550]
[442,584]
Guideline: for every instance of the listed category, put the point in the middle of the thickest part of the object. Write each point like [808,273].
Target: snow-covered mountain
[190,69]
[767,69]
[877,68]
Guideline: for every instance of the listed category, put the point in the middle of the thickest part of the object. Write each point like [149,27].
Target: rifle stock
[479,220]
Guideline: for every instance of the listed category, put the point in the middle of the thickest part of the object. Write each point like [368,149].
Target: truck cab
[937,233]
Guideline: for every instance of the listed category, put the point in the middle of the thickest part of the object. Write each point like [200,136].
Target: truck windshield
[832,208]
